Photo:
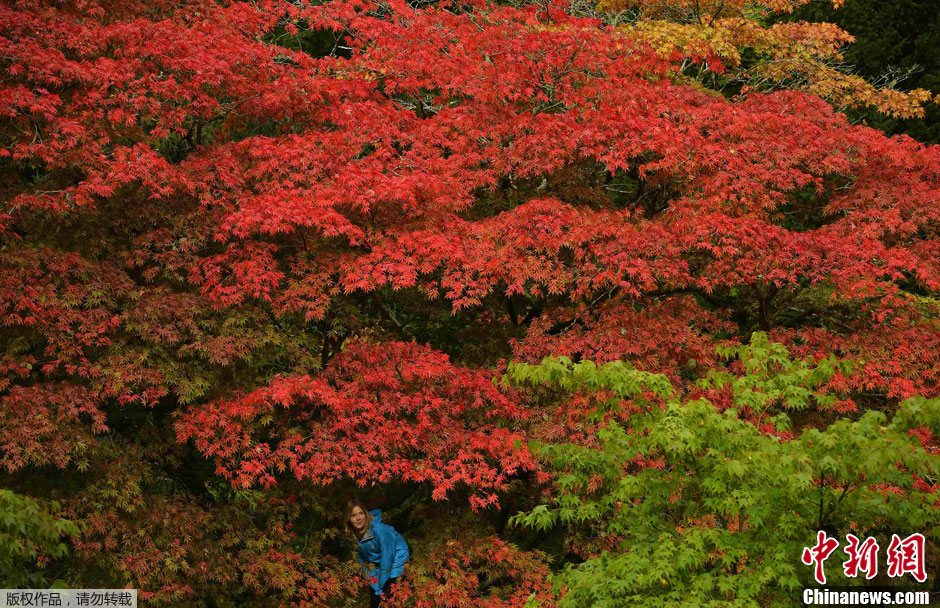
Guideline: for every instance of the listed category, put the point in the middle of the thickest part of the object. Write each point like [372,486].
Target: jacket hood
[376,515]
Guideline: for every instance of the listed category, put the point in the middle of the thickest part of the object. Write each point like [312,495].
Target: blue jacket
[383,548]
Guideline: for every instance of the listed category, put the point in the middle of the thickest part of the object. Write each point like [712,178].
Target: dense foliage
[896,43]
[256,256]
[701,506]
[743,46]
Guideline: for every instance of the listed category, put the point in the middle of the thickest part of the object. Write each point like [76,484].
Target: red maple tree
[215,226]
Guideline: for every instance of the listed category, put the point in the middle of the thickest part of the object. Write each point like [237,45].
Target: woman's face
[358,519]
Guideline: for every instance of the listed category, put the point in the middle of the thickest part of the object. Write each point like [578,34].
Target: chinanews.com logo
[904,557]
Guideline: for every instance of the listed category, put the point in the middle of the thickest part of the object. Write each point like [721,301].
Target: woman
[381,549]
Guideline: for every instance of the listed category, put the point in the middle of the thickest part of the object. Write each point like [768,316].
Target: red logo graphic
[907,557]
[819,553]
[863,557]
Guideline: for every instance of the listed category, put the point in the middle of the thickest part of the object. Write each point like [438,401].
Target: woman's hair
[350,505]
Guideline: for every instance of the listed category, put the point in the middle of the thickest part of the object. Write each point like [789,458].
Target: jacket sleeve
[385,538]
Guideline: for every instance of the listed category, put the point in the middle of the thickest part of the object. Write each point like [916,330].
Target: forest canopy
[602,305]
